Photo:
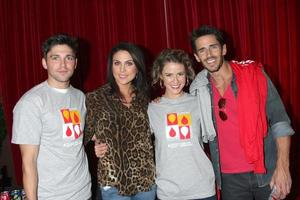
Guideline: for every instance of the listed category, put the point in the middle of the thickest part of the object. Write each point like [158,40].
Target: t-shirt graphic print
[178,126]
[71,126]
[178,129]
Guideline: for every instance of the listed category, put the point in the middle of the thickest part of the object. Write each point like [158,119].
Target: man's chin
[212,70]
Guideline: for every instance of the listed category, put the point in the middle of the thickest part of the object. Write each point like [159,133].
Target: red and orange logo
[178,126]
[71,126]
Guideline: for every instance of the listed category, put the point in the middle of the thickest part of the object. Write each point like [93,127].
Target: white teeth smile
[210,60]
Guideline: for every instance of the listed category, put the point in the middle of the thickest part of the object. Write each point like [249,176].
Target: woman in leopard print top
[117,116]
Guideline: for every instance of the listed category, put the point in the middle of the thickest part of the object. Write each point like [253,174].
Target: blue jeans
[208,198]
[243,186]
[112,194]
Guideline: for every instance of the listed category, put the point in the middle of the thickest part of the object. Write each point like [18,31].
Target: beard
[210,70]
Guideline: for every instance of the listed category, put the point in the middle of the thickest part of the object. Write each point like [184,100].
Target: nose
[208,52]
[122,67]
[63,62]
[176,79]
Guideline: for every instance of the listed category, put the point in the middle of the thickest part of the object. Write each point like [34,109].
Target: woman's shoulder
[99,93]
[100,90]
[190,96]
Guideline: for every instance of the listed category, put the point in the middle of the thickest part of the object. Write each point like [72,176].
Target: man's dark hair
[59,39]
[206,30]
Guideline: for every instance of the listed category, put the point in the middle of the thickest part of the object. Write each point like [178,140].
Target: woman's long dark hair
[140,82]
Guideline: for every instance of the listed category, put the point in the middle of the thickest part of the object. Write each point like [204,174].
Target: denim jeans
[208,198]
[243,186]
[112,194]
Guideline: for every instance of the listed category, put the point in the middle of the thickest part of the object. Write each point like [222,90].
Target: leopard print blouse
[129,163]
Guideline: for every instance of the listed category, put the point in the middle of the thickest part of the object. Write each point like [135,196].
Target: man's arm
[29,165]
[281,130]
[281,178]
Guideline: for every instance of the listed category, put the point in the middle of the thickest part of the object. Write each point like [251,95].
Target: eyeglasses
[221,104]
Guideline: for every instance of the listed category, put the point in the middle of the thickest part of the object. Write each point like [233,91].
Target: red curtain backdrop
[264,30]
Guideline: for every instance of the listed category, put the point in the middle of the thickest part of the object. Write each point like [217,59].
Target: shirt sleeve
[27,123]
[279,121]
[149,117]
[89,119]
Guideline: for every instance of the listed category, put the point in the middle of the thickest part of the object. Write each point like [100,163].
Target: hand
[100,148]
[282,182]
[156,100]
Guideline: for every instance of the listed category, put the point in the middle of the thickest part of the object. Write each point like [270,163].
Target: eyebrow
[208,46]
[174,72]
[125,60]
[59,55]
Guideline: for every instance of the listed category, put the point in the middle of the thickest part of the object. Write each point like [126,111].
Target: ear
[224,50]
[75,63]
[197,58]
[44,63]
[161,82]
[160,76]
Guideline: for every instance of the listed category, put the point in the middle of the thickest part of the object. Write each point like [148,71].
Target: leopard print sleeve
[89,121]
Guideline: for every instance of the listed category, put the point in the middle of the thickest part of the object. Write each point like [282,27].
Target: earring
[161,84]
[187,82]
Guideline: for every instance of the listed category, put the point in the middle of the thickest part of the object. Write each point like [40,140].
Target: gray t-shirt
[183,169]
[54,120]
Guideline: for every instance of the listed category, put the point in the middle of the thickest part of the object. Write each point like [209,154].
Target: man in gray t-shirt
[48,125]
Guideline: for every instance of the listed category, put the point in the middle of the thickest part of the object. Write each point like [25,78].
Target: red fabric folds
[251,99]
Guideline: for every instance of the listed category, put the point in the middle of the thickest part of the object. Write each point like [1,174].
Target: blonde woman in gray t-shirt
[183,169]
